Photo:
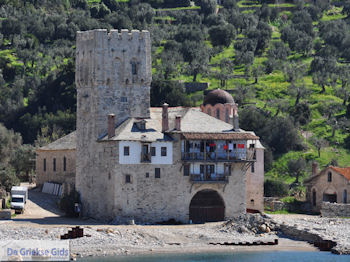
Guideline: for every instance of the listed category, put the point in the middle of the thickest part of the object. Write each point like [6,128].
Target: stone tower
[113,76]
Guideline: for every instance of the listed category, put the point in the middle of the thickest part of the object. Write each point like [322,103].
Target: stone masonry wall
[150,199]
[255,183]
[66,178]
[335,210]
[113,76]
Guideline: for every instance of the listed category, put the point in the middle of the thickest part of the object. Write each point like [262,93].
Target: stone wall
[66,178]
[151,199]
[335,210]
[255,183]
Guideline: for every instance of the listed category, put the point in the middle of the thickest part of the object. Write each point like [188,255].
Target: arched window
[329,176]
[218,113]
[64,164]
[209,112]
[345,196]
[314,197]
[226,116]
[134,68]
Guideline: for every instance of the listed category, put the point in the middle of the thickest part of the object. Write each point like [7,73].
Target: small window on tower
[134,68]
[124,99]
[127,179]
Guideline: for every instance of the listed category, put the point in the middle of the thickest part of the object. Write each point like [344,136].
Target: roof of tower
[218,96]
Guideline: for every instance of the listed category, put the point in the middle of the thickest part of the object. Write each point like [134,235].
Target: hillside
[286,64]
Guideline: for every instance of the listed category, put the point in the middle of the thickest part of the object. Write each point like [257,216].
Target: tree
[171,92]
[296,168]
[197,56]
[319,143]
[22,160]
[257,71]
[207,7]
[344,76]
[323,71]
[301,113]
[222,35]
[337,124]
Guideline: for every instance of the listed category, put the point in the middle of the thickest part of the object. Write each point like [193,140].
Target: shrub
[275,188]
[67,203]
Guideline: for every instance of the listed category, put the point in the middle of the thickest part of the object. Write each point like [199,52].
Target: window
[163,151]
[134,68]
[252,168]
[127,179]
[157,172]
[124,99]
[226,116]
[218,113]
[64,164]
[153,151]
[329,176]
[54,164]
[126,151]
[209,112]
[345,196]
[44,164]
[147,175]
[186,170]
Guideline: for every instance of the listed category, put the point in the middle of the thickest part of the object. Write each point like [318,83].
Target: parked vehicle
[19,196]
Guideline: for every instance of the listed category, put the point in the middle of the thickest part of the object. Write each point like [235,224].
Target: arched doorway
[207,206]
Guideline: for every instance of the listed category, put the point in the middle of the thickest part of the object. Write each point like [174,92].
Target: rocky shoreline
[110,240]
[331,232]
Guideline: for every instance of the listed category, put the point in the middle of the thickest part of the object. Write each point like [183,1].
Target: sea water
[268,256]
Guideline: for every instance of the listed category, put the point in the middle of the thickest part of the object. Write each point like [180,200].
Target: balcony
[220,156]
[209,178]
[146,158]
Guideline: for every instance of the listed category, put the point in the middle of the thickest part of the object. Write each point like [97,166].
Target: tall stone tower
[113,76]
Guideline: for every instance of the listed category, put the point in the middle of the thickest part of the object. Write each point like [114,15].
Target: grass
[278,212]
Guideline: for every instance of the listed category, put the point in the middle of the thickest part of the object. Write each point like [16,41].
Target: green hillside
[285,62]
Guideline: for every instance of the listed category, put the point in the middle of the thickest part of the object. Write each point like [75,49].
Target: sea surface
[275,256]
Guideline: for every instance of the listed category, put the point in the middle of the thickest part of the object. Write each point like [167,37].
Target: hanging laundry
[225,147]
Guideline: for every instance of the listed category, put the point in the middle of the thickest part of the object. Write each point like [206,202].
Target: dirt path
[40,205]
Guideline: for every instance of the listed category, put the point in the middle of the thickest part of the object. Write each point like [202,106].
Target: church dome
[218,96]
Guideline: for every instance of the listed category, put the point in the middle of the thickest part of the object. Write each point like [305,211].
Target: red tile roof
[343,171]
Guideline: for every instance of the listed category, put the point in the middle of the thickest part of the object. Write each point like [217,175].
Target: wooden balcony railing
[234,155]
[209,178]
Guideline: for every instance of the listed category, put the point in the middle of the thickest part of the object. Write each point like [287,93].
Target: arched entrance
[207,206]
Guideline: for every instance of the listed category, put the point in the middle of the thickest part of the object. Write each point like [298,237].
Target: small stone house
[332,184]
[55,162]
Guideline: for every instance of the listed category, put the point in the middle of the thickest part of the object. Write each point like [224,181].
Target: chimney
[111,125]
[231,121]
[314,168]
[178,123]
[236,122]
[165,118]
